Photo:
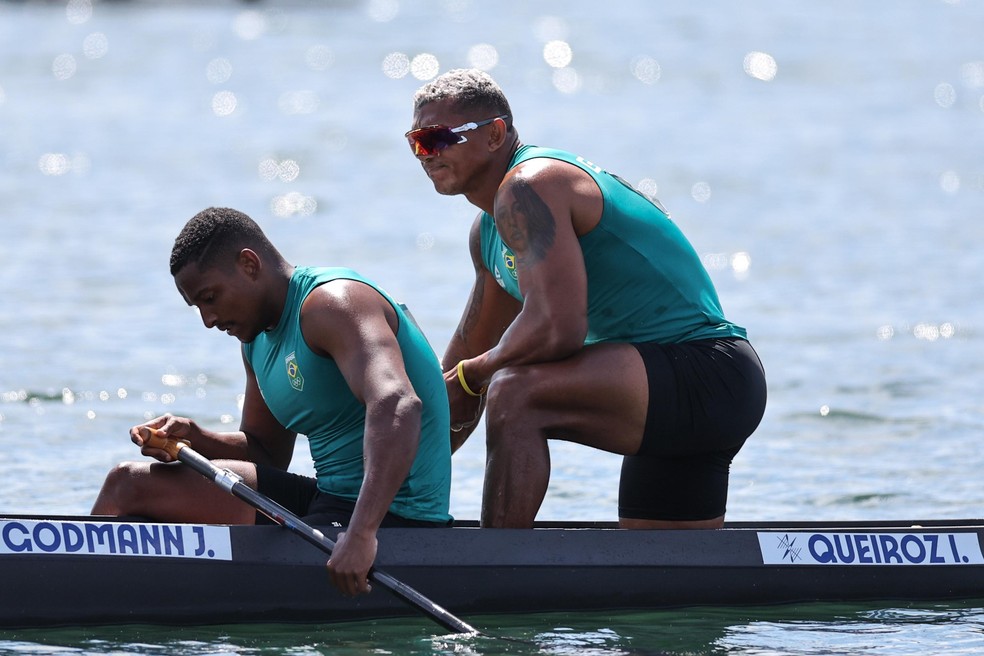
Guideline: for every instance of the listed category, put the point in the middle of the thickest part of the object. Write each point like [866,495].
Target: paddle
[232,483]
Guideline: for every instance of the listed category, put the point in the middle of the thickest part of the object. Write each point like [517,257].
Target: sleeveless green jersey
[307,394]
[645,281]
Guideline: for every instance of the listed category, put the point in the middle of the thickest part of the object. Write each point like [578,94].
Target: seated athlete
[591,320]
[328,354]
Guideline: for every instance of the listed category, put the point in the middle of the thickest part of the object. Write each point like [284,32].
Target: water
[835,189]
[807,630]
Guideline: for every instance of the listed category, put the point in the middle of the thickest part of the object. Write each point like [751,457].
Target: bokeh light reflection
[224,103]
[950,182]
[972,74]
[425,66]
[646,69]
[218,71]
[715,261]
[172,380]
[932,332]
[95,46]
[483,56]
[945,95]
[701,192]
[78,11]
[760,66]
[54,164]
[566,80]
[15,396]
[287,170]
[648,187]
[885,333]
[557,54]
[60,163]
[928,332]
[293,204]
[396,65]
[249,25]
[739,263]
[64,66]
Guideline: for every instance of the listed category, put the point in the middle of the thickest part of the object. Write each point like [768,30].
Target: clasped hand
[465,409]
[175,428]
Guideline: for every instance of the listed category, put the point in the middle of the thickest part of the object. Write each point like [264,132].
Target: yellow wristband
[464,383]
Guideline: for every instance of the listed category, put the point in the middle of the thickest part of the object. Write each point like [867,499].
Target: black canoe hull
[52,574]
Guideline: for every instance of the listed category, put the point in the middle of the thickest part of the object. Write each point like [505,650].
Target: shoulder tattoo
[528,225]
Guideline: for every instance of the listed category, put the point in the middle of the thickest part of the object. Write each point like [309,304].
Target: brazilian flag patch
[510,261]
[294,372]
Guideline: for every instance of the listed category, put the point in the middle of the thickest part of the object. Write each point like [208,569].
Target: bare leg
[517,471]
[173,493]
[598,397]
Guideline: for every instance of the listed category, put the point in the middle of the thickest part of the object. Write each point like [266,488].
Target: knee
[122,489]
[511,398]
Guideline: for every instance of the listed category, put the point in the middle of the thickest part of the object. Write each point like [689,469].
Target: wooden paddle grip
[156,439]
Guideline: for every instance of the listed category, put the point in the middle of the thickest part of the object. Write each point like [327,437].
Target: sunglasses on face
[433,139]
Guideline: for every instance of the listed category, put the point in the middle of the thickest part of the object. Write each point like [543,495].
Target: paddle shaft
[232,483]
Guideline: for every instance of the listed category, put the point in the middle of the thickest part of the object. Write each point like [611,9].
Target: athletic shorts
[705,398]
[301,496]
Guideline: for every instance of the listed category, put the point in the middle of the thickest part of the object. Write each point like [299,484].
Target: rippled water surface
[824,158]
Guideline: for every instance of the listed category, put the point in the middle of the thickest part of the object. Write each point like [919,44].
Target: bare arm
[353,324]
[541,208]
[486,316]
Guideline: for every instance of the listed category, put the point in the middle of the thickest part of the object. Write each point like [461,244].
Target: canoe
[81,570]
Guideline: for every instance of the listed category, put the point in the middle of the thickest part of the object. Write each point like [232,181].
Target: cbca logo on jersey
[294,372]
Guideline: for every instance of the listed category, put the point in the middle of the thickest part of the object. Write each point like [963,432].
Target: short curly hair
[467,89]
[214,236]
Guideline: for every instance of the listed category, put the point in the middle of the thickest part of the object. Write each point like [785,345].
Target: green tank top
[645,281]
[307,394]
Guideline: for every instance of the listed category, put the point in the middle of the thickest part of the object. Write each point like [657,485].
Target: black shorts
[301,496]
[705,398]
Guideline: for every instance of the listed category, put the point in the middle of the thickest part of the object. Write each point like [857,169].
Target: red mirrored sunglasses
[433,139]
